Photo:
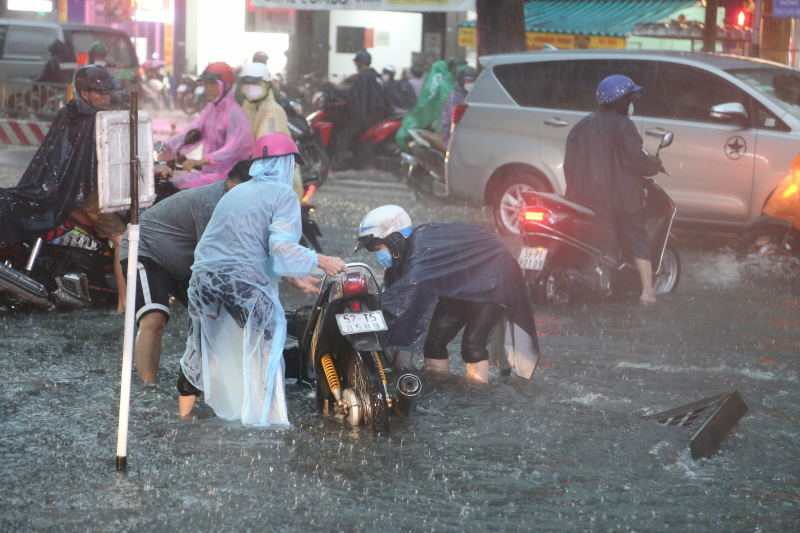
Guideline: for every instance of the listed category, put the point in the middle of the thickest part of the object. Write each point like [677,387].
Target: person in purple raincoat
[227,137]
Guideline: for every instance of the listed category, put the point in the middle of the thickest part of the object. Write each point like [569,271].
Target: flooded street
[571,450]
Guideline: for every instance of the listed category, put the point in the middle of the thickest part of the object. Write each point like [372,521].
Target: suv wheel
[508,201]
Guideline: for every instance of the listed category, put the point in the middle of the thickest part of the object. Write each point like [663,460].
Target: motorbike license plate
[532,258]
[350,323]
[182,88]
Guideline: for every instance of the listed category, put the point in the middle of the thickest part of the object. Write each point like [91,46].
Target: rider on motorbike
[401,93]
[428,110]
[97,54]
[226,133]
[367,102]
[260,57]
[235,349]
[466,79]
[63,174]
[263,112]
[442,278]
[605,167]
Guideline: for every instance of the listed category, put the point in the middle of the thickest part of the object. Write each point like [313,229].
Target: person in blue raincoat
[234,353]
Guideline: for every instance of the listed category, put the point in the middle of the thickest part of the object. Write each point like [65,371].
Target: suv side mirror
[731,112]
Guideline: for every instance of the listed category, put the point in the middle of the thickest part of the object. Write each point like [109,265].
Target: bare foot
[478,371]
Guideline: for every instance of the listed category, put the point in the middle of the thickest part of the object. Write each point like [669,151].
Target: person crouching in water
[234,353]
[445,277]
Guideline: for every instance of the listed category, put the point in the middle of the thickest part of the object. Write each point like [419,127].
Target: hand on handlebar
[331,265]
[190,164]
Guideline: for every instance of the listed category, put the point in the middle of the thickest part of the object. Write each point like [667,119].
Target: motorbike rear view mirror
[159,147]
[730,112]
[666,140]
[192,137]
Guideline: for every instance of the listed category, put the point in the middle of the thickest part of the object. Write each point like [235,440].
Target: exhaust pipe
[408,388]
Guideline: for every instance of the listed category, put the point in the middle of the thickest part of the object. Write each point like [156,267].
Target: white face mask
[385,78]
[100,63]
[253,92]
[630,109]
[468,86]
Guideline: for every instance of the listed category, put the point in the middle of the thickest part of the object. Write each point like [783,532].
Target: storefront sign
[265,20]
[153,10]
[62,11]
[117,10]
[371,5]
[42,6]
[786,9]
[468,37]
[169,46]
[562,41]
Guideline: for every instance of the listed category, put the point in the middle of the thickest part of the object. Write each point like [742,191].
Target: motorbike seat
[554,201]
[435,139]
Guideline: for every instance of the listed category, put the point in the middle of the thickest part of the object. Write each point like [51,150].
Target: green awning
[613,18]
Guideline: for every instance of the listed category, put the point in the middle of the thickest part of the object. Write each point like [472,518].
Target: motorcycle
[341,345]
[167,161]
[66,267]
[308,142]
[155,84]
[776,233]
[191,94]
[375,149]
[569,252]
[424,163]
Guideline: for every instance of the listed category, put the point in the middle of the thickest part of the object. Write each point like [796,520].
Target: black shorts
[154,286]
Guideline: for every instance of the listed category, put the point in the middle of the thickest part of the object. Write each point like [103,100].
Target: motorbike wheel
[188,104]
[508,201]
[316,161]
[363,377]
[763,242]
[670,274]
[552,287]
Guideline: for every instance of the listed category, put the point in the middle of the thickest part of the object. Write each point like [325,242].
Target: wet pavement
[571,450]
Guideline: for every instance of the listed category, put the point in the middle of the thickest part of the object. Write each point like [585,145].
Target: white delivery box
[113,161]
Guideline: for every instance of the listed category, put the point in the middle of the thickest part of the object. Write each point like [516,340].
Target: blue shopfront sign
[786,9]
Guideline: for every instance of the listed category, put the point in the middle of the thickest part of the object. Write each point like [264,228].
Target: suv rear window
[120,49]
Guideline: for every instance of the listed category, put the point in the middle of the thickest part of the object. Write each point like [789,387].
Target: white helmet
[382,222]
[255,72]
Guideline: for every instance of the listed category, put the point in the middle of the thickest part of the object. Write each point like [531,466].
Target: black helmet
[363,57]
[94,78]
[455,63]
[260,57]
[466,73]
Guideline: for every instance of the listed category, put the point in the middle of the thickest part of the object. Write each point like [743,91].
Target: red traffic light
[743,18]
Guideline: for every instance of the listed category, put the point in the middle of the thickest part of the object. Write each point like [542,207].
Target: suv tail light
[458,112]
[354,285]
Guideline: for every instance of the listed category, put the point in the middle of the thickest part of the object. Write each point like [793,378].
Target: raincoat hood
[278,170]
[60,177]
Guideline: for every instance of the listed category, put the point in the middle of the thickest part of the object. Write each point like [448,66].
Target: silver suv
[736,123]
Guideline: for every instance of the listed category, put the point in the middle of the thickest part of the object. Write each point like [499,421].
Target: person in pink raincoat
[227,137]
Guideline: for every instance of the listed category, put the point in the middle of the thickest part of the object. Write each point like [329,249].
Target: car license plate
[182,88]
[532,258]
[350,323]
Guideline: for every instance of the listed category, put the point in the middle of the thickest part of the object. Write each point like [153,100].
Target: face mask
[385,78]
[468,86]
[630,109]
[384,257]
[253,92]
[100,63]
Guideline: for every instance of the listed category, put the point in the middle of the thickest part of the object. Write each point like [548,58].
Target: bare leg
[645,269]
[438,365]
[148,345]
[121,288]
[478,371]
[185,405]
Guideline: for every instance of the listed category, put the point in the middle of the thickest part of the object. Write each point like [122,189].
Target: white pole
[127,347]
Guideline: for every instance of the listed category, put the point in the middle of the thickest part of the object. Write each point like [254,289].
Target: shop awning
[594,17]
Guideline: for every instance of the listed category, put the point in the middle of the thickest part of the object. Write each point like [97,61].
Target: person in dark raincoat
[367,102]
[445,277]
[63,174]
[605,167]
[401,93]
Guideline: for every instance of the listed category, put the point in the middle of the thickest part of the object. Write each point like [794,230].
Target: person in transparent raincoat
[234,353]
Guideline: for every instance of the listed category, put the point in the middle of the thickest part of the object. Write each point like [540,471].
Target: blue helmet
[615,87]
